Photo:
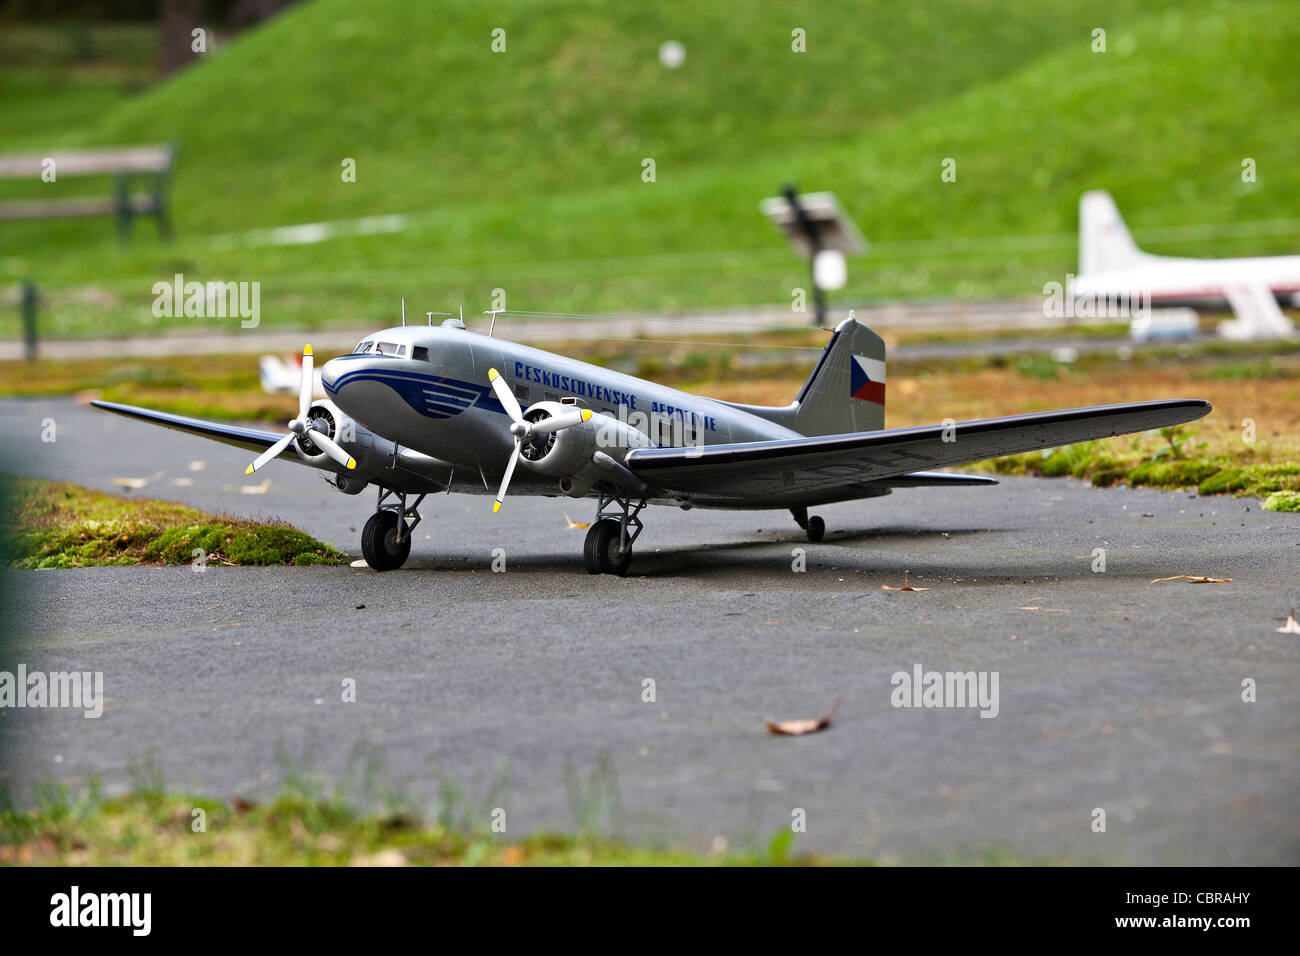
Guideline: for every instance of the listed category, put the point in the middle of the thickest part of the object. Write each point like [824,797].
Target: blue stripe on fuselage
[433,396]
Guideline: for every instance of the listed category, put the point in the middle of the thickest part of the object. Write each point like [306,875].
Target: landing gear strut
[608,549]
[814,526]
[386,538]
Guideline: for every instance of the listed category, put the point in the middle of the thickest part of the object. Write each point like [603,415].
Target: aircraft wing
[412,472]
[1257,314]
[815,466]
[252,439]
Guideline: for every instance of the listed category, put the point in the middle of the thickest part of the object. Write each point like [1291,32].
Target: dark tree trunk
[177,22]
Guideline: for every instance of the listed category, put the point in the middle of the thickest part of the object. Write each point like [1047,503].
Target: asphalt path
[525,689]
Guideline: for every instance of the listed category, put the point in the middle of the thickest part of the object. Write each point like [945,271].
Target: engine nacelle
[580,455]
[377,458]
[357,440]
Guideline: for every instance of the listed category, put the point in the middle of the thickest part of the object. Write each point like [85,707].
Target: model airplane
[418,410]
[1112,267]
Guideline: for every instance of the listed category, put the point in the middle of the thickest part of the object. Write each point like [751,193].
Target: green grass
[61,525]
[148,827]
[529,162]
[59,79]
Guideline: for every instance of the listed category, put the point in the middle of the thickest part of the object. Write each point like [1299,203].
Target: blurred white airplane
[279,375]
[1112,267]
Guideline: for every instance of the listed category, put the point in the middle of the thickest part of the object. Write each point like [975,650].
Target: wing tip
[1199,406]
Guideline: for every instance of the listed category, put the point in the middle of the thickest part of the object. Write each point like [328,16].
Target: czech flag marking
[868,379]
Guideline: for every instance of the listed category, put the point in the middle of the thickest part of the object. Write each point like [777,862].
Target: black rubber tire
[379,542]
[816,529]
[600,551]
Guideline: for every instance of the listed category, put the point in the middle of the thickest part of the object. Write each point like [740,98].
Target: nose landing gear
[608,549]
[386,538]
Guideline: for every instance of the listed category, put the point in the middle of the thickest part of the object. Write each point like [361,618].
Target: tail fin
[846,391]
[1104,240]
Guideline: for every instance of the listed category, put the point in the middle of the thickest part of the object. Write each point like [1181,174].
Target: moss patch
[62,525]
[1172,474]
[1096,462]
[1283,501]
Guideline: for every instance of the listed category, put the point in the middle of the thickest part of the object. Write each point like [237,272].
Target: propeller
[521,428]
[300,427]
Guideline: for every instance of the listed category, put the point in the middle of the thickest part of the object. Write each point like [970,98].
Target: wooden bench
[140,176]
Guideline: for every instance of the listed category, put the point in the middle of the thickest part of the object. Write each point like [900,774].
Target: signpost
[817,226]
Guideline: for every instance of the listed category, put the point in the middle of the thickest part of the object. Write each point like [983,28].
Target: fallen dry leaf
[135,484]
[795,728]
[1290,627]
[905,587]
[1194,579]
[575,524]
[512,856]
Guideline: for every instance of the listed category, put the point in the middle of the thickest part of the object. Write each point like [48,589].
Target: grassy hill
[525,166]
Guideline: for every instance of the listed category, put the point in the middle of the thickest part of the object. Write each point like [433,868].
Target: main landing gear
[608,549]
[814,526]
[386,538]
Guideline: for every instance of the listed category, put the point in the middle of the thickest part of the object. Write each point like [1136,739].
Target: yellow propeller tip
[496,506]
[306,350]
[248,470]
[492,374]
[352,463]
[586,414]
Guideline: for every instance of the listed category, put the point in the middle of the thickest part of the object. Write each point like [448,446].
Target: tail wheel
[601,554]
[379,544]
[816,529]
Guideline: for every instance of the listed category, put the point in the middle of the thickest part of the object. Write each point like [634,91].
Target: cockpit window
[363,347]
[420,353]
[391,348]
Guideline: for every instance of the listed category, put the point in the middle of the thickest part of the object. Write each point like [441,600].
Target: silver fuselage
[435,399]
